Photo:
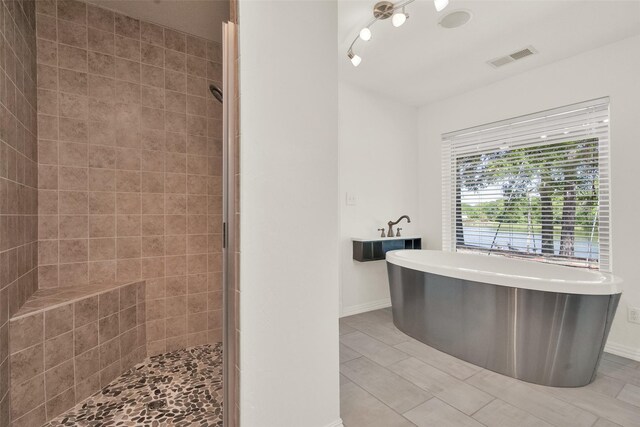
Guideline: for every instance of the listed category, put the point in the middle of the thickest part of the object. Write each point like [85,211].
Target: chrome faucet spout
[391,224]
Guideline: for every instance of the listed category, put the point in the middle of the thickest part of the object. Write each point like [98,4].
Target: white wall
[378,164]
[613,71]
[289,214]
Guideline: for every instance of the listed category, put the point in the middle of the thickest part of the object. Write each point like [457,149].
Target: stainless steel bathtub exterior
[546,338]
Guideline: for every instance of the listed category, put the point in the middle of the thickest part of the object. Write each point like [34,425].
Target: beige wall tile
[27,396]
[88,363]
[26,332]
[128,225]
[151,33]
[73,226]
[127,26]
[73,202]
[59,379]
[72,81]
[72,58]
[60,403]
[99,63]
[176,101]
[85,338]
[47,102]
[100,18]
[175,61]
[58,349]
[73,106]
[101,87]
[101,41]
[128,70]
[152,54]
[127,92]
[196,46]
[174,40]
[128,159]
[102,249]
[175,81]
[72,34]
[196,66]
[152,76]
[46,27]
[128,48]
[47,52]
[75,274]
[72,10]
[26,364]
[58,321]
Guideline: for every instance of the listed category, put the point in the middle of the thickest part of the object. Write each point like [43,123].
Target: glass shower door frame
[230,244]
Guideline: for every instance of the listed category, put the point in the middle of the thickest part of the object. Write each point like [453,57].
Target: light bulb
[440,4]
[398,19]
[365,34]
[355,59]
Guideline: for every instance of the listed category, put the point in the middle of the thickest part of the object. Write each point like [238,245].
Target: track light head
[440,4]
[355,59]
[399,18]
[365,34]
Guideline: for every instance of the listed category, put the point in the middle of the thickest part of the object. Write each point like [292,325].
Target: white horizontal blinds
[535,186]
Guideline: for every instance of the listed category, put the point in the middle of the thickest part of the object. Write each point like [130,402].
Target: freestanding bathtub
[540,323]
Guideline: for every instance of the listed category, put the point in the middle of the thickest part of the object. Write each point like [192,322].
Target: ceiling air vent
[504,60]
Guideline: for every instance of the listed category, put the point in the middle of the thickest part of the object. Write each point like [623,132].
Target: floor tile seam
[472,415]
[393,373]
[437,368]
[620,392]
[447,374]
[373,338]
[383,403]
[454,408]
[626,365]
[529,412]
[569,402]
[390,345]
[372,323]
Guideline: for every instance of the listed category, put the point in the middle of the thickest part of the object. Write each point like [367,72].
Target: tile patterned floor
[181,388]
[391,380]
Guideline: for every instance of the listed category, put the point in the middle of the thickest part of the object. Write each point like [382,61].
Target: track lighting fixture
[385,10]
[399,18]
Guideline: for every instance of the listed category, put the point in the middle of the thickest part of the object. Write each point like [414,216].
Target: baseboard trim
[336,423]
[623,351]
[363,308]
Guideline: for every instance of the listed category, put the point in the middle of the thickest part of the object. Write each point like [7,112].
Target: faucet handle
[398,232]
[382,234]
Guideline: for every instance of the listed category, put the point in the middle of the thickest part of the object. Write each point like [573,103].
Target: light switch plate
[634,315]
[351,199]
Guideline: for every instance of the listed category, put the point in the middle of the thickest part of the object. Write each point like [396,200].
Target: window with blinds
[534,187]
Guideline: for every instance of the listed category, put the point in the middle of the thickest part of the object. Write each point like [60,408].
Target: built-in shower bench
[67,343]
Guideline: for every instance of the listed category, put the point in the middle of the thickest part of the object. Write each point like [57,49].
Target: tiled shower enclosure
[110,177]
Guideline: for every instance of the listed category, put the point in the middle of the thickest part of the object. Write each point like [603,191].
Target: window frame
[488,137]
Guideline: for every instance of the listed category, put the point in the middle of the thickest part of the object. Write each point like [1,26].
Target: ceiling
[422,62]
[198,17]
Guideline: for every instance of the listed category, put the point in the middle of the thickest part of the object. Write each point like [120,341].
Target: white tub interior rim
[503,271]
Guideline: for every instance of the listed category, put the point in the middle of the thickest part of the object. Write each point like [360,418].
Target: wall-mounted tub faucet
[391,224]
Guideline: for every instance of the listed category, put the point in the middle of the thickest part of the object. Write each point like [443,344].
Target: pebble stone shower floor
[181,388]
